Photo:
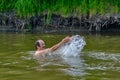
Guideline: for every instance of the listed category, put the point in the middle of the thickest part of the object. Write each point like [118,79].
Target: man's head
[40,44]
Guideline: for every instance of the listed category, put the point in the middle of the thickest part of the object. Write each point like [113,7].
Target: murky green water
[100,59]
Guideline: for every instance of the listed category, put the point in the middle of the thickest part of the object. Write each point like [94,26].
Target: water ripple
[105,56]
[103,61]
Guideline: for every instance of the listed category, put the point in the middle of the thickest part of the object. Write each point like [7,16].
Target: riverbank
[10,22]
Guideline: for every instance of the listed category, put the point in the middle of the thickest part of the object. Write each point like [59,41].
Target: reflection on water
[73,66]
[100,59]
[78,66]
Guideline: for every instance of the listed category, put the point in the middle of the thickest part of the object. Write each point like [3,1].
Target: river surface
[99,60]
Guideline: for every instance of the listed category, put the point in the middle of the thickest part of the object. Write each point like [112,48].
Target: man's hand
[66,39]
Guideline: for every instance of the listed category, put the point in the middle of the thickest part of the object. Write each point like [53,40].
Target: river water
[99,60]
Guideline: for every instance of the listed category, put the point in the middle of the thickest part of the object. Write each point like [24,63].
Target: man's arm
[48,50]
[65,40]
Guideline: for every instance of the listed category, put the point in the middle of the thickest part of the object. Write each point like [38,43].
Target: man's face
[42,45]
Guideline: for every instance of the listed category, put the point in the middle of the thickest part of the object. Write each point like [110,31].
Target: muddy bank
[55,23]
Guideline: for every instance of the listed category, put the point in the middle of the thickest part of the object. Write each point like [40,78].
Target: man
[40,46]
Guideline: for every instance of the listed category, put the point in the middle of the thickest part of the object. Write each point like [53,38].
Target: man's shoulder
[48,50]
[38,53]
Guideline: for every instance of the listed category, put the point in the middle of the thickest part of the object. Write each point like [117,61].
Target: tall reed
[6,5]
[28,8]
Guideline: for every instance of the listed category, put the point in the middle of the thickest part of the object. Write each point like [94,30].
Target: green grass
[27,8]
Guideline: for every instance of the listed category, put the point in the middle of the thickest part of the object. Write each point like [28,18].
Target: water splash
[67,57]
[73,47]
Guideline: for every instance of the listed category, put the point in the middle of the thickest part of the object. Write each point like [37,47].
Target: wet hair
[37,44]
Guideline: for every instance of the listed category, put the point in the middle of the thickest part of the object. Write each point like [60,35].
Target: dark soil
[41,23]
